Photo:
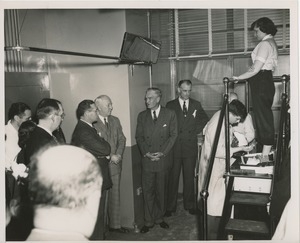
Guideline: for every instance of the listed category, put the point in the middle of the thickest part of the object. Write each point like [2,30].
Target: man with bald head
[109,127]
[65,184]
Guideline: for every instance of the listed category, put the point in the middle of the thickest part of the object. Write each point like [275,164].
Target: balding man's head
[104,105]
[64,176]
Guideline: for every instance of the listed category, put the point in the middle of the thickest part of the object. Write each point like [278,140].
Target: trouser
[154,190]
[114,214]
[188,170]
[262,94]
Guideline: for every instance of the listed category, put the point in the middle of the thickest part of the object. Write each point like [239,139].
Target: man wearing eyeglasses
[49,117]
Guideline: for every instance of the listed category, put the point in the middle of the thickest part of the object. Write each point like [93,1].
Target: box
[252,185]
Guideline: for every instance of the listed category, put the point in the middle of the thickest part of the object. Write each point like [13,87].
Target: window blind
[204,32]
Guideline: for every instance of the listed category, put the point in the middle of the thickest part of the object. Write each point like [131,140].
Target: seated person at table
[243,131]
[217,187]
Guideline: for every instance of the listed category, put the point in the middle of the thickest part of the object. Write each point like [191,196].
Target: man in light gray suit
[109,127]
[156,133]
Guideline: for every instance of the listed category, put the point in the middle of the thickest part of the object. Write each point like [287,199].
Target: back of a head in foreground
[63,176]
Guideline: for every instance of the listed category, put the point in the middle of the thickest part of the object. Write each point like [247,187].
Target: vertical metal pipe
[247,99]
[227,138]
[210,45]
[149,36]
[176,29]
[173,78]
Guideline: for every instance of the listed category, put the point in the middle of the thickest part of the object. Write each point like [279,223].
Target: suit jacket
[115,137]
[156,136]
[38,139]
[188,127]
[86,137]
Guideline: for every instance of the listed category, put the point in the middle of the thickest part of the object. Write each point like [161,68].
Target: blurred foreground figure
[65,186]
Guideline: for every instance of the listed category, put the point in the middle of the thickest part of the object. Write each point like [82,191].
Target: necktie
[184,109]
[154,116]
[105,122]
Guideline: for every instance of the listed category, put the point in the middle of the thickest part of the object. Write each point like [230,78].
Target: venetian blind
[206,32]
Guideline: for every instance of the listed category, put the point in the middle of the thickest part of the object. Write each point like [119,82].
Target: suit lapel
[103,129]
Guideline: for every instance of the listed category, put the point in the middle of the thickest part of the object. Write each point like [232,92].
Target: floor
[183,227]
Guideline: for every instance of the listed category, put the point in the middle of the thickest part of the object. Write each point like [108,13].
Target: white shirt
[245,128]
[266,52]
[102,119]
[186,103]
[87,123]
[47,130]
[11,145]
[156,112]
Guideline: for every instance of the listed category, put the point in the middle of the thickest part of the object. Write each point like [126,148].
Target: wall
[73,78]
[139,81]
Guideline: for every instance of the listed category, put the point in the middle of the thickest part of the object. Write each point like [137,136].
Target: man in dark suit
[109,127]
[191,120]
[49,117]
[156,133]
[86,136]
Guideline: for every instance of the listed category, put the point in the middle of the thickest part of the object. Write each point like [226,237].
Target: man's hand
[154,156]
[115,158]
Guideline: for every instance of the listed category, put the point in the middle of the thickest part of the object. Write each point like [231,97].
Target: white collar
[267,37]
[157,111]
[87,123]
[102,118]
[46,129]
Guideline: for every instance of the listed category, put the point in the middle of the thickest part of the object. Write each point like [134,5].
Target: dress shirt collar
[47,130]
[186,102]
[157,111]
[267,37]
[102,118]
[87,123]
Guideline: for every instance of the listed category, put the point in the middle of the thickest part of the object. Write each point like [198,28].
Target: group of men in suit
[167,139]
[101,134]
[98,132]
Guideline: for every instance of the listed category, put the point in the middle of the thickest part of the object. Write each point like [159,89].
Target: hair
[46,107]
[237,108]
[24,132]
[184,81]
[156,90]
[265,25]
[83,106]
[17,109]
[78,176]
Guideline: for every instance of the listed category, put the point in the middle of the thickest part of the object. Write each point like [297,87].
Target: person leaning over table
[217,187]
[260,77]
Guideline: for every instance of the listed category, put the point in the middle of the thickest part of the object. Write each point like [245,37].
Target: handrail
[281,143]
[204,193]
[225,113]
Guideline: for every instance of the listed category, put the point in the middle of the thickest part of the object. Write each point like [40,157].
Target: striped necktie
[154,116]
[105,122]
[184,109]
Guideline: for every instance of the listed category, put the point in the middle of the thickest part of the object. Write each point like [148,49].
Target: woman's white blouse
[266,52]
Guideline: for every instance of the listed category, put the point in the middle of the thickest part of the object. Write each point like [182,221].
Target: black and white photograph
[150,121]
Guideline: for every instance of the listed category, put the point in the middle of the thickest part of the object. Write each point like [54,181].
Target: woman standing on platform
[260,77]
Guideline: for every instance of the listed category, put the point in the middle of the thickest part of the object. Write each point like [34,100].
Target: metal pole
[227,138]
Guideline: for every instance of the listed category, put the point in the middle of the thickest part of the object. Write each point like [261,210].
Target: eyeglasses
[62,115]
